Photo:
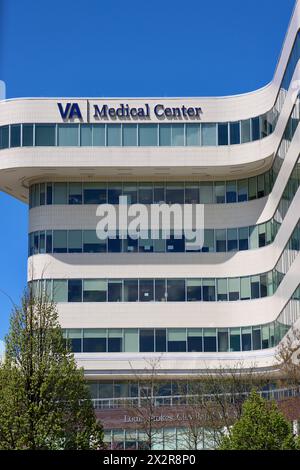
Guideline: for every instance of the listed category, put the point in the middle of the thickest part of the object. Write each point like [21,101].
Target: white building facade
[125,302]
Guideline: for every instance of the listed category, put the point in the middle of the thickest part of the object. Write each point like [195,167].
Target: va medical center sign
[90,111]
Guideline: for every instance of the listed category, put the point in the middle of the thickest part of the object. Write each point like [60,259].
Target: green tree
[44,400]
[261,427]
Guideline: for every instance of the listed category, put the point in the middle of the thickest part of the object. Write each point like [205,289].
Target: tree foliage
[44,400]
[261,427]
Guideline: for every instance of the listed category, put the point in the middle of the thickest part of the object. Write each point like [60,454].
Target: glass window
[75,290]
[4,137]
[194,290]
[246,339]
[242,190]
[131,340]
[131,293]
[75,193]
[130,191]
[113,135]
[235,137]
[114,244]
[195,340]
[209,241]
[232,239]
[255,287]
[148,135]
[165,135]
[74,241]
[246,131]
[261,235]
[243,238]
[130,245]
[160,290]
[91,243]
[49,193]
[234,288]
[45,135]
[208,134]
[263,285]
[15,135]
[223,133]
[223,340]
[94,290]
[95,340]
[60,290]
[129,135]
[60,193]
[245,288]
[221,240]
[175,193]
[256,337]
[252,188]
[49,241]
[114,191]
[176,290]
[146,340]
[146,193]
[261,186]
[255,128]
[86,135]
[42,194]
[253,237]
[210,339]
[222,294]
[95,193]
[265,337]
[231,191]
[220,192]
[209,290]
[115,340]
[176,340]
[192,134]
[178,135]
[74,339]
[161,340]
[235,339]
[60,241]
[192,193]
[68,135]
[115,290]
[206,193]
[159,193]
[146,289]
[99,135]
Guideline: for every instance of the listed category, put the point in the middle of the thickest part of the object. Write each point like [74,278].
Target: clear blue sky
[127,48]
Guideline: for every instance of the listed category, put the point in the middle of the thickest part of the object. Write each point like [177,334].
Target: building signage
[123,111]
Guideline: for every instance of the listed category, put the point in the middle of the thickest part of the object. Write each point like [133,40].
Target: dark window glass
[75,290]
[192,194]
[160,290]
[160,340]
[27,135]
[146,193]
[75,345]
[49,193]
[223,340]
[255,291]
[114,291]
[4,137]
[210,340]
[223,133]
[114,245]
[246,339]
[49,241]
[209,291]
[194,343]
[176,290]
[146,290]
[175,194]
[44,135]
[15,135]
[94,290]
[235,137]
[75,193]
[130,245]
[176,346]
[256,337]
[94,345]
[255,128]
[94,193]
[231,191]
[175,245]
[114,344]
[194,291]
[114,193]
[147,340]
[131,293]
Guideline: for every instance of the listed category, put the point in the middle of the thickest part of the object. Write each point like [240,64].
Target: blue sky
[127,48]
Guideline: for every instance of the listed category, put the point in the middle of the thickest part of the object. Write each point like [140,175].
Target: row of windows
[173,290]
[205,134]
[161,290]
[175,339]
[215,240]
[218,192]
[141,135]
